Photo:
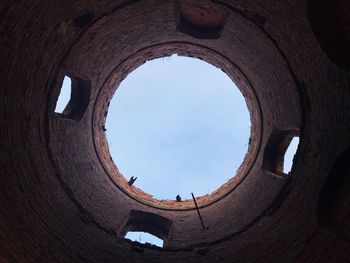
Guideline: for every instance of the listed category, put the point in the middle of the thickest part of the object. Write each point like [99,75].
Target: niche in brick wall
[74,98]
[204,21]
[276,154]
[154,224]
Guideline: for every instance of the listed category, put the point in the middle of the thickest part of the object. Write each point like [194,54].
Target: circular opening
[179,125]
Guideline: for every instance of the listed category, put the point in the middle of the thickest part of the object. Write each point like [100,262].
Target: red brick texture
[62,198]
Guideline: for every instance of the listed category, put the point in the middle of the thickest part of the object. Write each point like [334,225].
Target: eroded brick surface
[61,198]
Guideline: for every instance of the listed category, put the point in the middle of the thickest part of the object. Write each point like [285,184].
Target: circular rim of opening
[107,91]
[118,131]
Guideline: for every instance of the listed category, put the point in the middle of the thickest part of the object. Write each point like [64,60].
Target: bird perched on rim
[178,198]
[132,180]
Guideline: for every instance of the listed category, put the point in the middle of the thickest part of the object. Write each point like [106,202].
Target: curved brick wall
[62,198]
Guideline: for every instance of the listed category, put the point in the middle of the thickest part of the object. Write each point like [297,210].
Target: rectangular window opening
[74,98]
[147,228]
[280,151]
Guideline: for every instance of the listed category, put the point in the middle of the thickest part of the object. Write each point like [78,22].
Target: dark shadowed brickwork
[62,198]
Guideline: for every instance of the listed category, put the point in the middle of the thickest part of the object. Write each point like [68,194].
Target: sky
[143,237]
[288,156]
[179,125]
[64,96]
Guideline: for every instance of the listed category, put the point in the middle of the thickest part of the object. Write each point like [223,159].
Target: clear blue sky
[180,125]
[288,156]
[64,96]
[143,237]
